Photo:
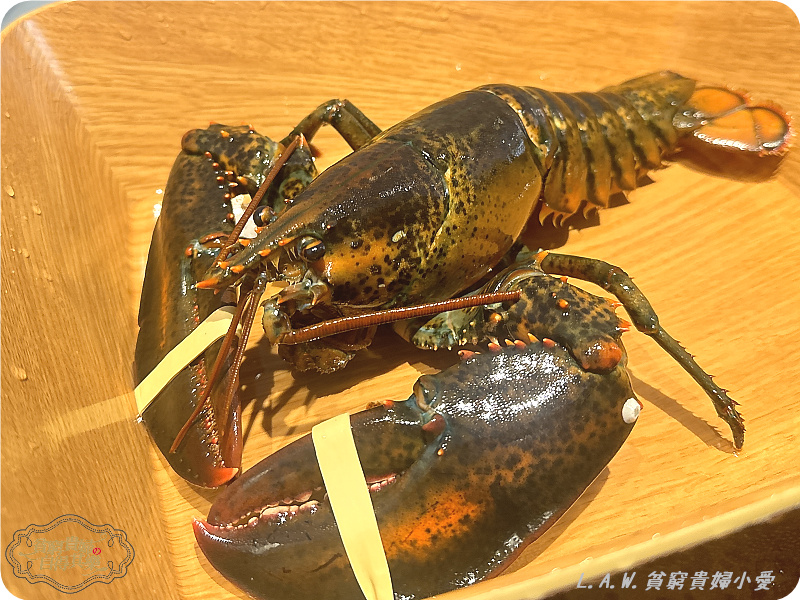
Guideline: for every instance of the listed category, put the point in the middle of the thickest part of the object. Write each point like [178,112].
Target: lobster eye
[310,249]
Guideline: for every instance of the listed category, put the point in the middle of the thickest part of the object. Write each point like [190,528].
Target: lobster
[477,463]
[427,209]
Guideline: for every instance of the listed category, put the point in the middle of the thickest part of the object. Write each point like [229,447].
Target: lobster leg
[356,129]
[535,306]
[616,281]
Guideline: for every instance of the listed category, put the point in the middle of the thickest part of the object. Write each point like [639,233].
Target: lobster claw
[210,452]
[479,454]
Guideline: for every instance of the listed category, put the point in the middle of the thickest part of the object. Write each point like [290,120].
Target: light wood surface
[95,98]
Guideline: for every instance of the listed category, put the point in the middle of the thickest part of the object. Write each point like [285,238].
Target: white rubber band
[208,332]
[349,497]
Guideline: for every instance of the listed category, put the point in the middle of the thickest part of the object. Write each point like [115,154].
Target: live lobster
[418,213]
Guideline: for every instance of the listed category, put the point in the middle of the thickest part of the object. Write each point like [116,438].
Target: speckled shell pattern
[525,432]
[429,206]
[592,145]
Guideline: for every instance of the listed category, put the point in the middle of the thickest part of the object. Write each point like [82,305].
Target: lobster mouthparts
[481,460]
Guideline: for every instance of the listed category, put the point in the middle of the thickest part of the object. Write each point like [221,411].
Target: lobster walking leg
[617,282]
[344,117]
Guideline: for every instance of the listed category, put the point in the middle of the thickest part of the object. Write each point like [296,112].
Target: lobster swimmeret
[418,213]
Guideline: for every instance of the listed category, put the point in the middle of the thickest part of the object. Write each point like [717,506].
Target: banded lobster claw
[196,217]
[474,465]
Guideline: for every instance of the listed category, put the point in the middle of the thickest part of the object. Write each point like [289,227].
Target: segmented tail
[593,145]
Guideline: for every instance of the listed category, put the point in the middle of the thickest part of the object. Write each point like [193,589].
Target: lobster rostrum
[478,462]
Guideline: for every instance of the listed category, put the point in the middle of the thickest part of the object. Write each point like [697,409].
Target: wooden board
[95,98]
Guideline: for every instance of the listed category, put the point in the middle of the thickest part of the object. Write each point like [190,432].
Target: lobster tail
[592,145]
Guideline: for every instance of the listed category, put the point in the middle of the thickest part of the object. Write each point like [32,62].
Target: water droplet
[25,253]
[10,191]
[36,209]
[19,373]
[458,66]
[8,115]
[126,35]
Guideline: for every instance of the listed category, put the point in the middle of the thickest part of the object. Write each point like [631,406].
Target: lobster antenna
[253,298]
[300,141]
[342,324]
[215,372]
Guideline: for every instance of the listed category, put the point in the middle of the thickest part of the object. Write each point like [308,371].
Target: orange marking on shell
[563,303]
[224,133]
[494,347]
[188,251]
[223,264]
[265,252]
[495,318]
[207,154]
[285,241]
[532,338]
[465,354]
[519,344]
[715,101]
[237,268]
[563,280]
[602,356]
[434,530]
[207,283]
[548,343]
[244,241]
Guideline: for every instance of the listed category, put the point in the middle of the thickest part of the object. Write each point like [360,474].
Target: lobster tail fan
[726,133]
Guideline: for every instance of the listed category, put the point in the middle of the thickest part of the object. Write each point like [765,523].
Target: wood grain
[95,99]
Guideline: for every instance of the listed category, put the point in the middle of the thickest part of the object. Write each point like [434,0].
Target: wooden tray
[95,98]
